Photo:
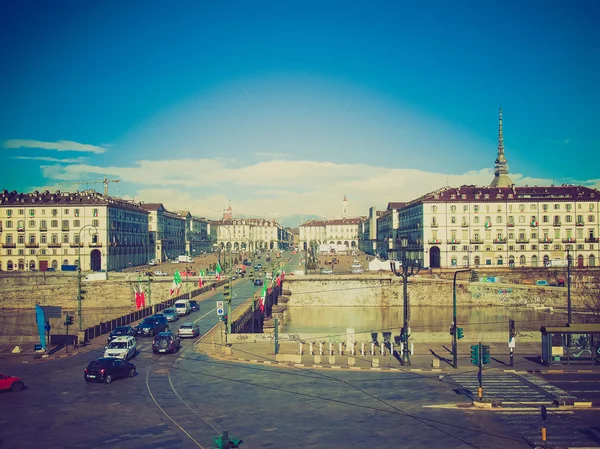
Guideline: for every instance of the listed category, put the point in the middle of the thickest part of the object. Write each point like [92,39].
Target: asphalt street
[186,399]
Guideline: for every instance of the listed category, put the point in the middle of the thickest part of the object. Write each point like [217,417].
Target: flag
[200,282]
[218,271]
[176,283]
[140,299]
[263,297]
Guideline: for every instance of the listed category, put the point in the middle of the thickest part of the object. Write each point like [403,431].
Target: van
[182,306]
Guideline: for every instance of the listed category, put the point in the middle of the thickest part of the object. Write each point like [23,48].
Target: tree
[590,292]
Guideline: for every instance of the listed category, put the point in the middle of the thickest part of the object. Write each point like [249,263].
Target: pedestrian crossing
[524,389]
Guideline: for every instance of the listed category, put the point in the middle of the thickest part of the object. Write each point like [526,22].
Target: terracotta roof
[562,193]
[152,206]
[335,221]
[58,198]
[396,205]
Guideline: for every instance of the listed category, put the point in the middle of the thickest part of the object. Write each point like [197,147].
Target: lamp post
[453,329]
[409,268]
[79,272]
[569,286]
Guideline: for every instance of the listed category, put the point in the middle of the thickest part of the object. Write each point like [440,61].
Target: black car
[194,306]
[258,282]
[166,342]
[121,331]
[152,325]
[107,369]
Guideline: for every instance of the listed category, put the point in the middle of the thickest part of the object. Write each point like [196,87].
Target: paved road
[183,400]
[583,386]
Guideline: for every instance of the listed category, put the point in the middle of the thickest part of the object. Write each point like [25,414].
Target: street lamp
[453,329]
[409,268]
[568,286]
[79,272]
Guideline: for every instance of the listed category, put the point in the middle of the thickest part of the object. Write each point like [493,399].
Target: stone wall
[386,291]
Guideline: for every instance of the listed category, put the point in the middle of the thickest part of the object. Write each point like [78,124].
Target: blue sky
[283,107]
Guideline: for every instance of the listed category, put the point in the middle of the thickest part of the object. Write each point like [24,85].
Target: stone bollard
[301,348]
[340,348]
[318,359]
[351,361]
[435,363]
[332,360]
[375,362]
[321,348]
[372,348]
[362,348]
[312,349]
[330,348]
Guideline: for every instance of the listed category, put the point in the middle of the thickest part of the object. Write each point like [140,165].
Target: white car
[326,271]
[357,270]
[356,265]
[188,329]
[160,273]
[124,347]
[153,262]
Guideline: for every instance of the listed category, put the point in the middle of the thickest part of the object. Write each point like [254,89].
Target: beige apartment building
[43,230]
[251,234]
[167,232]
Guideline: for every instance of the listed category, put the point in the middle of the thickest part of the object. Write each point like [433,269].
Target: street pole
[454,324]
[149,291]
[79,294]
[229,306]
[568,287]
[408,269]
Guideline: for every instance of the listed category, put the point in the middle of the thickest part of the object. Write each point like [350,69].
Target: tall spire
[501,178]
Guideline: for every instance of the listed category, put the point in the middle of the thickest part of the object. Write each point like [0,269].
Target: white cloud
[77,160]
[273,189]
[61,145]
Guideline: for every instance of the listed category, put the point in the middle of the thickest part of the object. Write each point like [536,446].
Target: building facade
[251,234]
[43,230]
[167,232]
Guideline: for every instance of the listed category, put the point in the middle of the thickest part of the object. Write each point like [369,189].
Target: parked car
[258,282]
[194,305]
[153,262]
[152,325]
[11,383]
[107,369]
[326,271]
[357,270]
[160,273]
[166,342]
[121,331]
[188,329]
[171,314]
[356,265]
[122,347]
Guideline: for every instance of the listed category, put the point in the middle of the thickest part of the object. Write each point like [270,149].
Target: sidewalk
[433,357]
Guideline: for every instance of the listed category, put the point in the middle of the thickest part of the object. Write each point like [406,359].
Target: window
[534,235]
[9,224]
[433,208]
[21,239]
[66,211]
[65,238]
[77,212]
[476,208]
[31,238]
[545,207]
[21,212]
[453,209]
[545,219]
[8,213]
[65,224]
[521,207]
[76,223]
[556,206]
[590,218]
[95,212]
[21,224]
[43,238]
[453,220]
[568,218]
[521,218]
[96,223]
[32,223]
[476,220]
[54,224]
[43,224]
[499,219]
[55,238]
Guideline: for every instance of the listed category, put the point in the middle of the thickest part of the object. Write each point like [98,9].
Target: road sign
[511,342]
[220,308]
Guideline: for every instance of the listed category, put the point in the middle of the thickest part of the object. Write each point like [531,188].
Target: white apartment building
[43,230]
[251,234]
[197,234]
[167,232]
[339,233]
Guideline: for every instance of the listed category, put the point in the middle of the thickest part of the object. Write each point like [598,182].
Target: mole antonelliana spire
[501,178]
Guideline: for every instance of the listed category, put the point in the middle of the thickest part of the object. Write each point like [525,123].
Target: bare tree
[590,291]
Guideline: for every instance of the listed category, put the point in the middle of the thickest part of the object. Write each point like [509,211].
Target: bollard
[321,348]
[340,349]
[312,349]
[391,349]
[372,348]
[301,349]
[330,348]
[362,348]
[383,348]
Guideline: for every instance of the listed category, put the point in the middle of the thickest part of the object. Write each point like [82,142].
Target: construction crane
[104,181]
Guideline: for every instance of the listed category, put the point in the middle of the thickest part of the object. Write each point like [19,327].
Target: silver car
[171,314]
[188,329]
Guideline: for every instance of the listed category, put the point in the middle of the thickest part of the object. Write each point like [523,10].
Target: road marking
[206,314]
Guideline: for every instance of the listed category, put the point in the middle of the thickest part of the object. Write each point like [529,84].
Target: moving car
[182,307]
[122,347]
[188,329]
[194,305]
[107,369]
[11,383]
[357,270]
[166,342]
[171,314]
[121,331]
[258,282]
[152,325]
[160,273]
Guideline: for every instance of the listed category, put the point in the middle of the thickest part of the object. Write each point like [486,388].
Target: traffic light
[474,276]
[68,320]
[452,330]
[459,333]
[227,292]
[475,354]
[485,354]
[224,318]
